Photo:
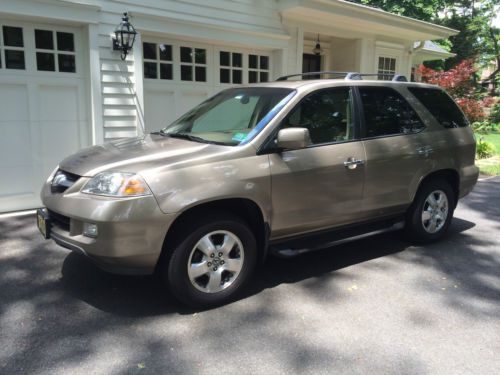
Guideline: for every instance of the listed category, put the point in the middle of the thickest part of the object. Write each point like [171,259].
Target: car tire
[212,260]
[430,215]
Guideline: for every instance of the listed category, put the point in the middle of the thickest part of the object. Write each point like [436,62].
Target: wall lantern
[124,37]
[318,51]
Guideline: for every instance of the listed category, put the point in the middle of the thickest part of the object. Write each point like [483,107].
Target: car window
[231,117]
[386,112]
[441,106]
[327,114]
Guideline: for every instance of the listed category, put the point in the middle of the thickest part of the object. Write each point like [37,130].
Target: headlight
[51,177]
[117,184]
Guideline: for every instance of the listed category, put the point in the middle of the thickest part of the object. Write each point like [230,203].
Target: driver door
[320,186]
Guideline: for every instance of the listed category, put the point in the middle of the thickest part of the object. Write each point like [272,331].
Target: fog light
[90,230]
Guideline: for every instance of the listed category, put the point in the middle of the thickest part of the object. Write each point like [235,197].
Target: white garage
[42,105]
[180,74]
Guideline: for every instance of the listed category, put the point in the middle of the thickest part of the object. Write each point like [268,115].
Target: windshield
[232,117]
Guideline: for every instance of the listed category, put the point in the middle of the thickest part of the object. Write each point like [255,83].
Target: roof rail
[329,72]
[354,76]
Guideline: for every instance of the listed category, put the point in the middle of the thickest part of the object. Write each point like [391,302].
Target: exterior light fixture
[318,51]
[124,37]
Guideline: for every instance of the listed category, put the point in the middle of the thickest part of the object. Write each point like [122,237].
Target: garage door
[179,75]
[42,105]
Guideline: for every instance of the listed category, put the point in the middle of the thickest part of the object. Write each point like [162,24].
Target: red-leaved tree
[459,83]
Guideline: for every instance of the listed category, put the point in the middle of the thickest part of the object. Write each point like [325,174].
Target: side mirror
[293,138]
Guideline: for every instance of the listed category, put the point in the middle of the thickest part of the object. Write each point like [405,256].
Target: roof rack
[354,76]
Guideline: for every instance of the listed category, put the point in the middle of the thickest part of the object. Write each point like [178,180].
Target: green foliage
[478,38]
[484,149]
[495,113]
[485,127]
[422,10]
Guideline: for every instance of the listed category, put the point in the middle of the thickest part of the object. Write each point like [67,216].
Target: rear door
[398,150]
[312,188]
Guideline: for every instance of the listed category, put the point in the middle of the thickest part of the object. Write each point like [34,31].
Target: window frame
[386,72]
[4,48]
[55,51]
[245,68]
[361,113]
[176,62]
[157,61]
[355,116]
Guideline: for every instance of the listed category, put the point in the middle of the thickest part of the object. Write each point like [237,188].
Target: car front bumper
[131,231]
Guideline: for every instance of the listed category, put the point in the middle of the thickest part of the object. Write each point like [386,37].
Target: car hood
[136,154]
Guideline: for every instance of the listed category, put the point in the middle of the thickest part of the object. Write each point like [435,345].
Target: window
[258,68]
[55,51]
[158,61]
[327,114]
[386,68]
[230,117]
[231,70]
[193,64]
[386,112]
[12,43]
[441,106]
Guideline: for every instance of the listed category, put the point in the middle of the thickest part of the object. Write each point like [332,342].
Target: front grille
[59,220]
[62,181]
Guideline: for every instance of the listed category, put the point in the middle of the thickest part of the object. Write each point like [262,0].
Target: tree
[459,84]
[478,38]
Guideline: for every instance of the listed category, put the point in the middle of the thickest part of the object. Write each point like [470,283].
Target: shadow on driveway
[146,296]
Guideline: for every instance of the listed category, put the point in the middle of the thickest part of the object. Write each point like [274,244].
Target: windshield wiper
[191,137]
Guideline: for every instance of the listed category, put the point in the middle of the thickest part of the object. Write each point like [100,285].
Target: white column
[95,84]
[139,84]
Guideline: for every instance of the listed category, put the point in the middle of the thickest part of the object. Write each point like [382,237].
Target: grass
[490,166]
[493,138]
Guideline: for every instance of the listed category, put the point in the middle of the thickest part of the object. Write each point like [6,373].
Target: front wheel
[211,264]
[431,212]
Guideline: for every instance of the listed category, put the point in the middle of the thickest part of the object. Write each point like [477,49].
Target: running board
[325,240]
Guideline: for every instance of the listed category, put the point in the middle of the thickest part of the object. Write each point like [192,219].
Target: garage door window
[55,51]
[158,61]
[12,43]
[231,67]
[193,64]
[258,68]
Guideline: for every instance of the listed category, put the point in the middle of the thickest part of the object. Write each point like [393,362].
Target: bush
[472,109]
[495,113]
[484,149]
[485,127]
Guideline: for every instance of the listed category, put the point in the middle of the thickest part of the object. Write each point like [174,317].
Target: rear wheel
[211,264]
[431,212]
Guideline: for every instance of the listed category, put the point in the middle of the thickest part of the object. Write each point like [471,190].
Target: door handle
[352,163]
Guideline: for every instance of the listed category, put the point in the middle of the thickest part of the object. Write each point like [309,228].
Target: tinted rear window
[388,113]
[441,106]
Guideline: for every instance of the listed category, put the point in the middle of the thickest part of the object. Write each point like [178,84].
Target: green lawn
[490,166]
[493,138]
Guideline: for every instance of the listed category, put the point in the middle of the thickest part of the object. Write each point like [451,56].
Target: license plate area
[43,223]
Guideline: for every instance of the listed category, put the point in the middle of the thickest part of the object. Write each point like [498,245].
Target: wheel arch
[449,175]
[245,208]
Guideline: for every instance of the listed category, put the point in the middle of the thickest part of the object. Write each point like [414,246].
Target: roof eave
[340,9]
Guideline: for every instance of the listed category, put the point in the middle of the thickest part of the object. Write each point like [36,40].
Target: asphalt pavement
[376,306]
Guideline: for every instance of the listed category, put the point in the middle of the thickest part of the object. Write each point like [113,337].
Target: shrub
[485,127]
[495,113]
[472,109]
[484,149]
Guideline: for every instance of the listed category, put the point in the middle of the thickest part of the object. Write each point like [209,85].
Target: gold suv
[284,167]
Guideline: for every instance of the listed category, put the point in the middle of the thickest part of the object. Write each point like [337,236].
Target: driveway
[376,306]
